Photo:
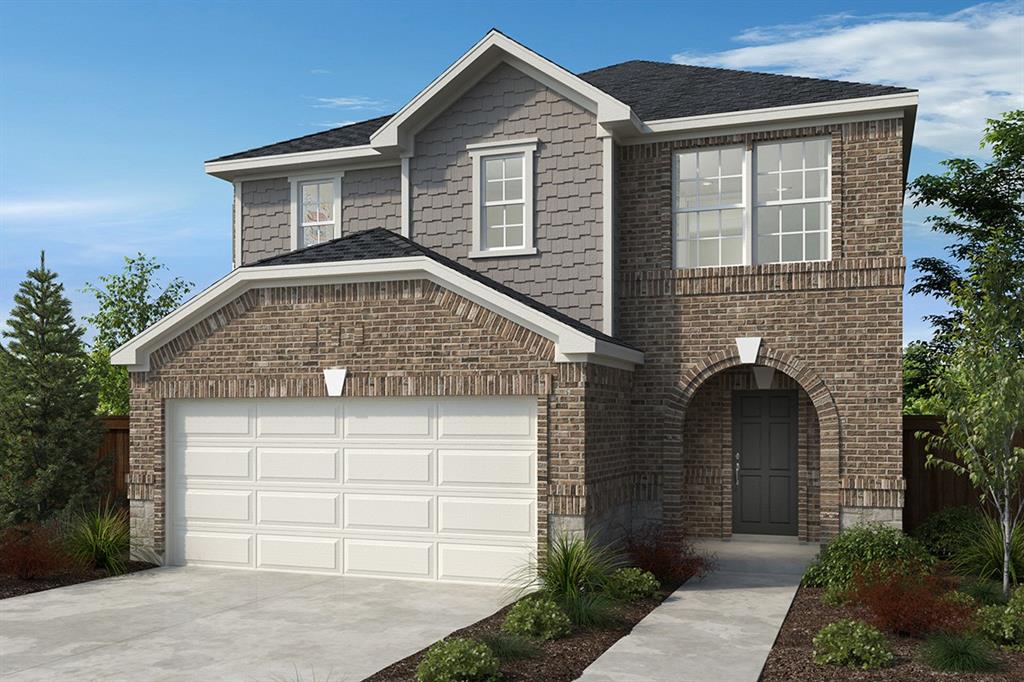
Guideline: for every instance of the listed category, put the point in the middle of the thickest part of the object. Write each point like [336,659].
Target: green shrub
[537,617]
[864,545]
[573,565]
[100,539]
[852,643]
[589,609]
[946,530]
[981,555]
[458,660]
[1004,625]
[959,653]
[984,592]
[631,584]
[508,646]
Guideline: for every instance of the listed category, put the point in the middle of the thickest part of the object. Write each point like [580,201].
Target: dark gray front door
[764,428]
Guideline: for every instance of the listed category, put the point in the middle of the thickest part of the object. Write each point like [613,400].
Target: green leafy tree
[128,302]
[920,366]
[49,431]
[980,380]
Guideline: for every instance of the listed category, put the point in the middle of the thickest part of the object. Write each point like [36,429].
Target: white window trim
[478,152]
[296,182]
[750,204]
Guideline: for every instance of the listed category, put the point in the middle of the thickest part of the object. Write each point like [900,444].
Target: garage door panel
[313,465]
[381,418]
[484,563]
[388,465]
[498,468]
[199,418]
[297,418]
[223,506]
[486,419]
[389,512]
[486,515]
[297,553]
[218,463]
[220,549]
[392,558]
[297,508]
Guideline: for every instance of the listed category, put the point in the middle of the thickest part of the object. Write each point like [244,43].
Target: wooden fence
[930,489]
[114,449]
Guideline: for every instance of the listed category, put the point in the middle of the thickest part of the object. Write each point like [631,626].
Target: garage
[428,489]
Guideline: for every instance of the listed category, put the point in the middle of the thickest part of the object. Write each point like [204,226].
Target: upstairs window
[317,211]
[503,198]
[770,204]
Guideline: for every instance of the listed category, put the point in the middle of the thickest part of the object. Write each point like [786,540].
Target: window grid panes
[503,202]
[316,213]
[791,217]
[709,204]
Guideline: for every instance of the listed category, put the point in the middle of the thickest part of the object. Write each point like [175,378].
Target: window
[769,205]
[316,211]
[503,198]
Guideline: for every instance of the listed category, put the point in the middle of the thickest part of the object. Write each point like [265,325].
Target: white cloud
[349,103]
[319,72]
[968,65]
[334,124]
[27,209]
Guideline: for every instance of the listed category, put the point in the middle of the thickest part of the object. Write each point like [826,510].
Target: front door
[764,438]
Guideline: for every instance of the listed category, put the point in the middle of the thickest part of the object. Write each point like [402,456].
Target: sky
[108,110]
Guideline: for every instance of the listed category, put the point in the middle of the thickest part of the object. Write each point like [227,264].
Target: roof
[379,243]
[654,91]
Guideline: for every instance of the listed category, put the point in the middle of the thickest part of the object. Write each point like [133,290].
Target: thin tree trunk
[1007,539]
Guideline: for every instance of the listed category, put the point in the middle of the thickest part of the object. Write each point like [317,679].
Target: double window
[317,211]
[503,198]
[770,204]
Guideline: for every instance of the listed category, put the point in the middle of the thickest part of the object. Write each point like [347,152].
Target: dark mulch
[791,657]
[562,660]
[13,587]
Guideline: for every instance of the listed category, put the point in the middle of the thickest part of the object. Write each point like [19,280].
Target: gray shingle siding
[371,198]
[507,105]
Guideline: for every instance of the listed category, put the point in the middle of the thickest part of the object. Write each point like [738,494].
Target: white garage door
[430,489]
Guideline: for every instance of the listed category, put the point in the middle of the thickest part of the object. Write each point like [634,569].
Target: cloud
[349,103]
[334,124]
[319,72]
[968,66]
[48,209]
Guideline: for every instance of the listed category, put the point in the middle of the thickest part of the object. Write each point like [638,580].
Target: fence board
[114,449]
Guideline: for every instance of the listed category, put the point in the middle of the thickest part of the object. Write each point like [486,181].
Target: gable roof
[379,243]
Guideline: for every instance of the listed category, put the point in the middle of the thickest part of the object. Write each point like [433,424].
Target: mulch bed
[13,587]
[791,657]
[562,660]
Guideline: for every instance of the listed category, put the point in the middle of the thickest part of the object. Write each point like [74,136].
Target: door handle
[737,469]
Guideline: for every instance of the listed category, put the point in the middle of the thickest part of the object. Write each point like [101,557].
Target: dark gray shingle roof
[381,243]
[654,90]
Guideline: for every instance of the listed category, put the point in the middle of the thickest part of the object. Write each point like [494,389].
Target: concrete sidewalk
[720,628]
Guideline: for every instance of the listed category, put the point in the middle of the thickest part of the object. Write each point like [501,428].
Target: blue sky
[107,110]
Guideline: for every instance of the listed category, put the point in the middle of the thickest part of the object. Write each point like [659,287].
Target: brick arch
[812,384]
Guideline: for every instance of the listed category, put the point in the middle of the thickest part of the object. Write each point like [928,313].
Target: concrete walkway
[720,628]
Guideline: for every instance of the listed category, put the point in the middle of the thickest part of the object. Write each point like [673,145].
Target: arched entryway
[718,401]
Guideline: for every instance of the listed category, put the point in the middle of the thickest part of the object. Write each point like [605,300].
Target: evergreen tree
[49,431]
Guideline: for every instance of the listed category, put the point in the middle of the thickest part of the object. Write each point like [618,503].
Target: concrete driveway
[211,624]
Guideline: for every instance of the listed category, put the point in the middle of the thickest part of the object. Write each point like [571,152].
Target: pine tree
[49,431]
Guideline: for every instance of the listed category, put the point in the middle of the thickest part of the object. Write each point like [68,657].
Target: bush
[671,561]
[906,602]
[537,617]
[984,592]
[947,530]
[981,555]
[32,551]
[101,539]
[458,660]
[959,653]
[857,548]
[851,643]
[631,584]
[509,647]
[574,565]
[1004,625]
[589,609]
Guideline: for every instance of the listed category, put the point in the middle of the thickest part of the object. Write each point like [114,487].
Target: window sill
[501,253]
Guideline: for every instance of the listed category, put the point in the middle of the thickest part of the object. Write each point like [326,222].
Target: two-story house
[534,302]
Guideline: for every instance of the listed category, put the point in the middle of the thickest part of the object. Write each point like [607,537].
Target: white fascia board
[492,49]
[230,168]
[787,113]
[569,341]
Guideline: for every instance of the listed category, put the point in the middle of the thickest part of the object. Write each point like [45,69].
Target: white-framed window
[738,206]
[503,198]
[316,210]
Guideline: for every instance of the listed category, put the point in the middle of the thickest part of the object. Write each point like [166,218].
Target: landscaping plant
[905,600]
[32,551]
[857,548]
[671,561]
[1004,625]
[458,660]
[981,554]
[949,529]
[589,609]
[537,617]
[631,584]
[100,538]
[852,643]
[508,646]
[959,653]
[984,592]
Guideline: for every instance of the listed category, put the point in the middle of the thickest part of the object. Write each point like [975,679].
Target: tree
[128,303]
[980,378]
[49,431]
[919,373]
